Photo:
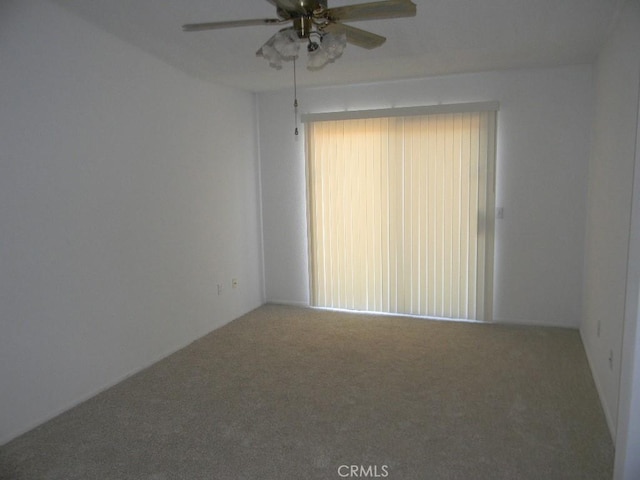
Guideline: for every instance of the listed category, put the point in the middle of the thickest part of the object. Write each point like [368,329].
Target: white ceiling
[446,36]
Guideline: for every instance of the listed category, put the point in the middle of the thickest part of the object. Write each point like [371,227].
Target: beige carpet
[291,393]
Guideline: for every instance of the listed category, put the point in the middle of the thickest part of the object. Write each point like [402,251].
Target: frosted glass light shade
[330,47]
[272,55]
[334,44]
[318,59]
[287,44]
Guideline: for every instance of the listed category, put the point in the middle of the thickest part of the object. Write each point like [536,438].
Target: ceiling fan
[321,27]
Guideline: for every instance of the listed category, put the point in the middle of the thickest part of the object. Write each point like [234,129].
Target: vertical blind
[401,213]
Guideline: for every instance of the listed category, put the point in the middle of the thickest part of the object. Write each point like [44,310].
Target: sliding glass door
[401,213]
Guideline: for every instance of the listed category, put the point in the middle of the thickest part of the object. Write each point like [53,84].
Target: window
[401,210]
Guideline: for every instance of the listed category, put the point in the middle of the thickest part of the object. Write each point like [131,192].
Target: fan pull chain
[295,97]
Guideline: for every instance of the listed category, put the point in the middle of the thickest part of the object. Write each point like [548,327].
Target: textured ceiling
[446,36]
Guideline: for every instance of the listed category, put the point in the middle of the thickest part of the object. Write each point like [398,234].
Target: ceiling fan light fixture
[322,47]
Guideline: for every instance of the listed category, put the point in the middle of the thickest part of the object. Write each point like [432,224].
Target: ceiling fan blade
[196,27]
[372,11]
[356,36]
[290,6]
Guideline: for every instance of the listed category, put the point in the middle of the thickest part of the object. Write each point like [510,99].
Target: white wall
[543,146]
[627,464]
[611,172]
[128,190]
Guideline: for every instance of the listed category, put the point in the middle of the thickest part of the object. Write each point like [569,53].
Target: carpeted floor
[290,393]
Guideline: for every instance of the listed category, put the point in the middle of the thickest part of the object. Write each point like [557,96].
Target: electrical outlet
[611,359]
[219,289]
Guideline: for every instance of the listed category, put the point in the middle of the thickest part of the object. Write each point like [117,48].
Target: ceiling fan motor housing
[302,26]
[312,5]
[303,18]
